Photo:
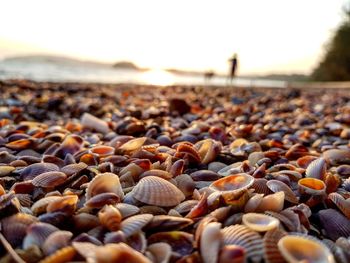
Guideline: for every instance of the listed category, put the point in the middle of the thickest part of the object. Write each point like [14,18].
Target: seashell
[137,241]
[5,170]
[311,186]
[317,169]
[208,150]
[53,159]
[102,150]
[152,209]
[135,223]
[158,173]
[204,175]
[332,183]
[234,168]
[9,204]
[73,168]
[6,157]
[271,251]
[177,168]
[188,152]
[83,237]
[186,206]
[346,184]
[260,186]
[254,157]
[304,161]
[57,219]
[334,223]
[168,223]
[186,184]
[343,170]
[341,203]
[292,175]
[273,202]
[157,191]
[232,253]
[337,156]
[180,242]
[253,203]
[91,122]
[65,254]
[243,236]
[210,242]
[114,237]
[260,222]
[25,187]
[31,171]
[277,186]
[49,179]
[65,204]
[337,251]
[109,253]
[37,233]
[132,145]
[104,183]
[233,185]
[40,206]
[20,144]
[14,227]
[56,241]
[110,217]
[98,201]
[200,209]
[2,190]
[160,251]
[299,248]
[296,151]
[216,166]
[127,210]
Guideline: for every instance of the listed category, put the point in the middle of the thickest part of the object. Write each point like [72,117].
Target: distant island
[128,65]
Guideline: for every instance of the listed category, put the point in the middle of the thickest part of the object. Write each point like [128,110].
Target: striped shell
[271,251]
[73,168]
[334,223]
[37,233]
[260,186]
[341,203]
[33,170]
[135,223]
[157,191]
[56,241]
[317,169]
[127,210]
[243,236]
[277,186]
[49,179]
[104,183]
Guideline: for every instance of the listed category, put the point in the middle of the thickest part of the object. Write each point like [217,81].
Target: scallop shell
[341,203]
[114,237]
[271,251]
[49,179]
[260,186]
[260,222]
[135,223]
[37,233]
[157,191]
[317,169]
[127,210]
[14,227]
[243,236]
[56,241]
[33,170]
[186,206]
[104,183]
[298,249]
[273,202]
[233,184]
[311,186]
[110,217]
[334,223]
[73,168]
[210,242]
[277,186]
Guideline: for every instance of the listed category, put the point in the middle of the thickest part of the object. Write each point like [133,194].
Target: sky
[271,36]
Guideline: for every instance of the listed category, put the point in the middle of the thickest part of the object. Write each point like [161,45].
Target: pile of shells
[114,173]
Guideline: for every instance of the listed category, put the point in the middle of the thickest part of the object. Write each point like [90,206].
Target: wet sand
[105,173]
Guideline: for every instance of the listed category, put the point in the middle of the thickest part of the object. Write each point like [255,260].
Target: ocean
[53,71]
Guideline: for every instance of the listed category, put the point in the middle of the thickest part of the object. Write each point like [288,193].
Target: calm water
[50,71]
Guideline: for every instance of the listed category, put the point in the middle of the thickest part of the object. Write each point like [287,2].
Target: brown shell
[40,206]
[341,203]
[102,150]
[35,169]
[127,210]
[234,184]
[135,223]
[276,186]
[155,172]
[37,233]
[65,204]
[271,251]
[56,241]
[98,201]
[73,168]
[311,186]
[63,255]
[210,242]
[104,183]
[208,150]
[110,217]
[157,191]
[49,179]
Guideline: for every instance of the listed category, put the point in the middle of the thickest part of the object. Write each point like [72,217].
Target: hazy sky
[269,36]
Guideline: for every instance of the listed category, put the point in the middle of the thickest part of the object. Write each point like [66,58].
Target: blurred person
[234,62]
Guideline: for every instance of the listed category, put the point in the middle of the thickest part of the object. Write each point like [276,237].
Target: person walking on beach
[234,63]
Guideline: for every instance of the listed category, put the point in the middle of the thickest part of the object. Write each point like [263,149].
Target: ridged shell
[260,186]
[33,170]
[158,173]
[100,200]
[273,202]
[277,186]
[127,210]
[271,251]
[157,191]
[186,206]
[56,241]
[335,224]
[73,168]
[40,206]
[67,204]
[253,203]
[341,203]
[302,249]
[243,236]
[335,156]
[14,227]
[135,223]
[110,217]
[37,233]
[317,169]
[104,183]
[210,242]
[49,179]
[260,222]
[168,223]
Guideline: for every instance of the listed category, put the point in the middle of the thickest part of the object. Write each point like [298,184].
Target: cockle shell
[311,186]
[317,169]
[232,253]
[276,186]
[33,170]
[135,223]
[127,210]
[55,241]
[133,145]
[210,242]
[253,203]
[49,179]
[334,223]
[260,186]
[335,156]
[102,150]
[110,217]
[260,222]
[73,168]
[157,191]
[243,236]
[40,206]
[104,183]
[304,249]
[341,203]
[100,200]
[271,251]
[168,223]
[37,234]
[65,204]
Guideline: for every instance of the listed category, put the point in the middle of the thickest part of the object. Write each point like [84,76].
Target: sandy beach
[116,172]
